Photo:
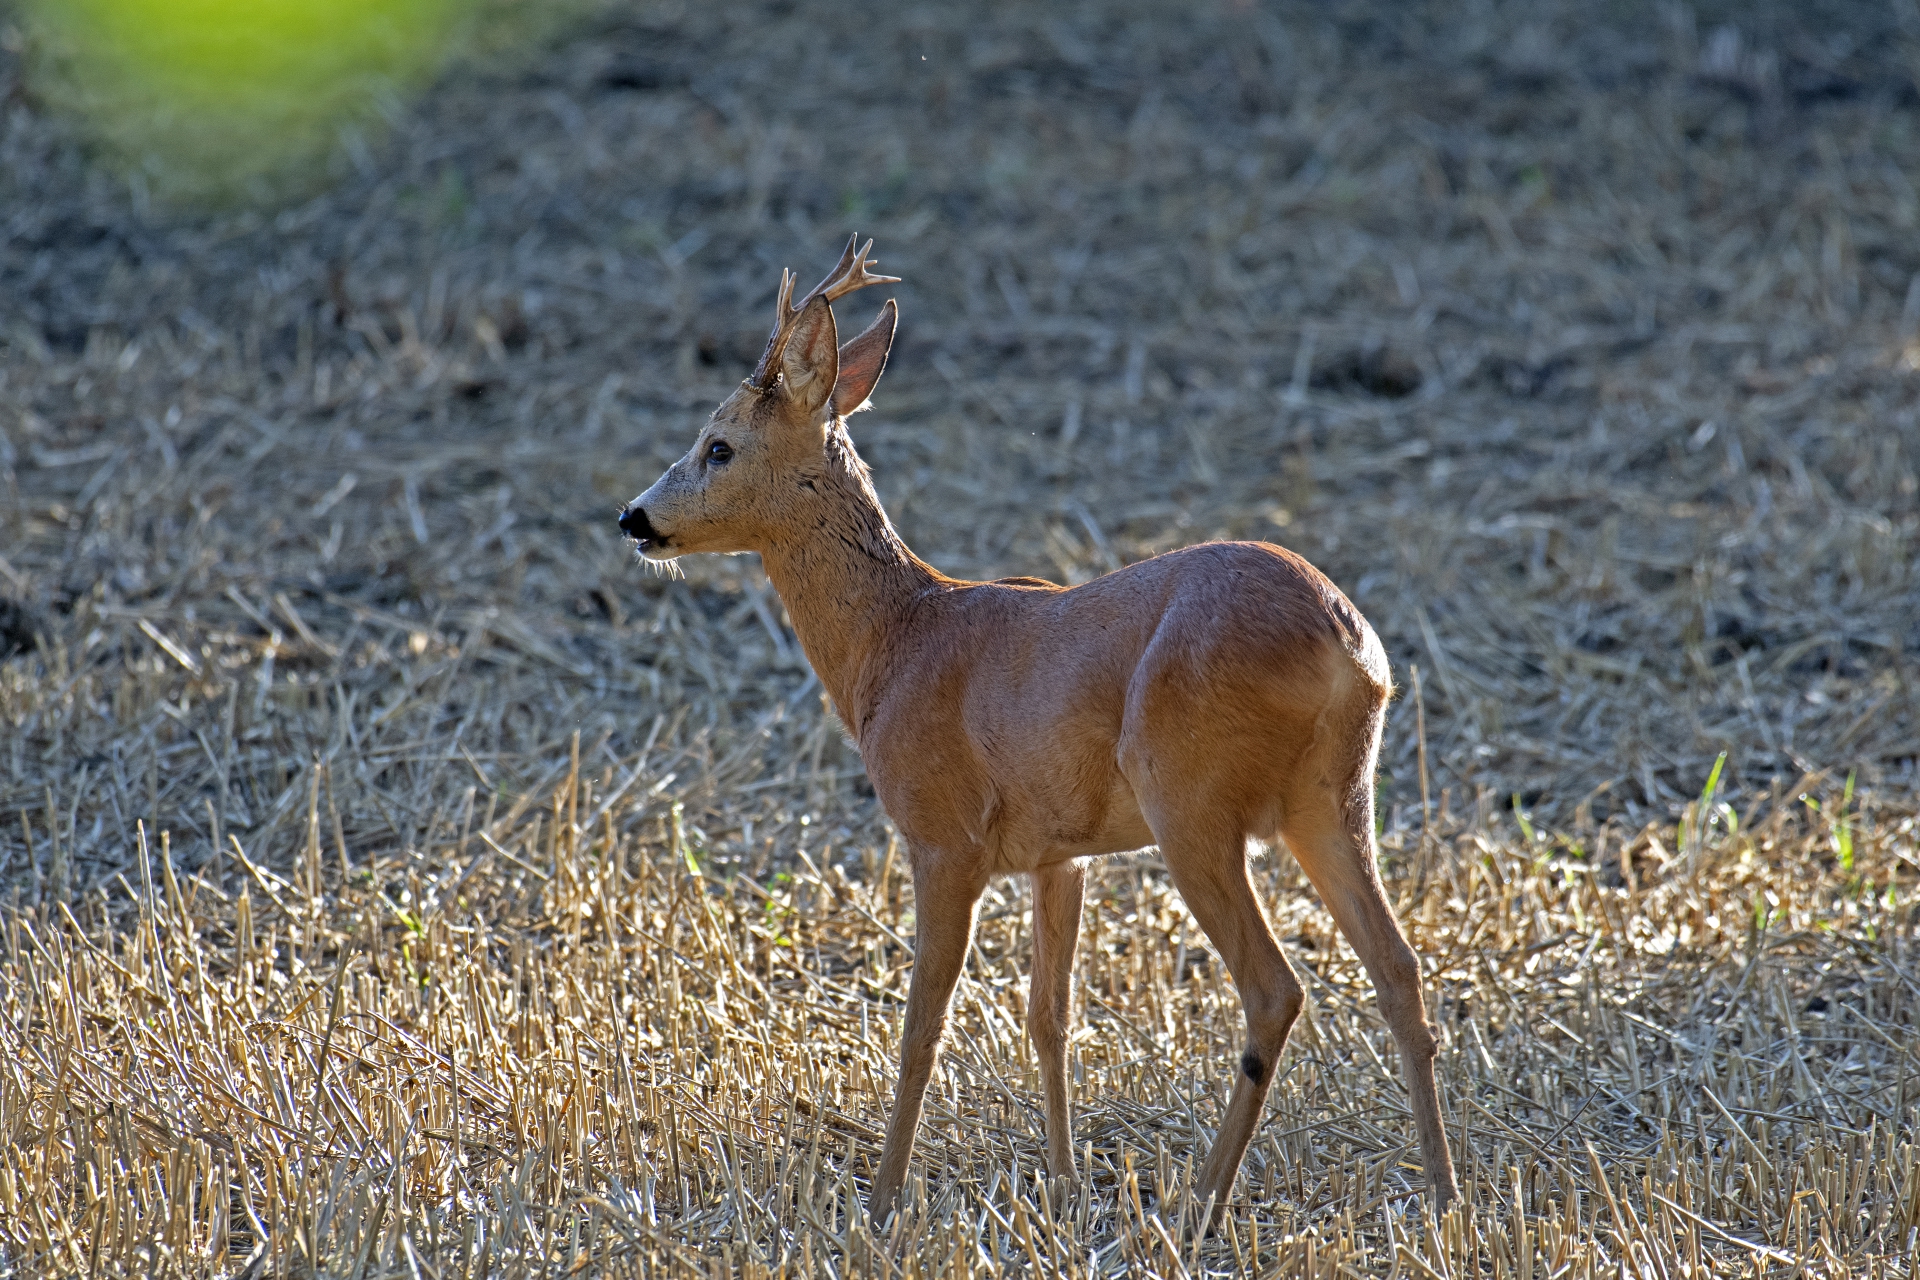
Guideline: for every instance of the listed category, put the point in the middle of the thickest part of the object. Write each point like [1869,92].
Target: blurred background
[1577,344]
[218,100]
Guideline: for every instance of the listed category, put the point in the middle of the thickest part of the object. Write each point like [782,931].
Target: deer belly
[1034,830]
[1123,828]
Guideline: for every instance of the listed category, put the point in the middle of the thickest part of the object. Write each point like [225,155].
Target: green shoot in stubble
[416,926]
[682,848]
[1839,823]
[1843,827]
[1526,823]
[1713,783]
[1705,812]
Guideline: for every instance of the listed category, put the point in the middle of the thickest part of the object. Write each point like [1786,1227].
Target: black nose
[634,523]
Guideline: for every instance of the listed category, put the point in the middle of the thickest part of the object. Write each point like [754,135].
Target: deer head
[727,493]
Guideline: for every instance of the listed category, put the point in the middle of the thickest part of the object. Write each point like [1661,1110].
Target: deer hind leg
[1328,826]
[1210,870]
[945,890]
[1058,892]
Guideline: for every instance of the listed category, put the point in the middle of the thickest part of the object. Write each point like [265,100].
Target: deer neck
[847,579]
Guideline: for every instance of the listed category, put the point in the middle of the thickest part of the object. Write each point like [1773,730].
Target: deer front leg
[1058,891]
[946,889]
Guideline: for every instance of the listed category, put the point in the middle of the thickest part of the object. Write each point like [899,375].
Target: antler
[850,275]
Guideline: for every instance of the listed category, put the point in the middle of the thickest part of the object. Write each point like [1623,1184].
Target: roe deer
[1194,700]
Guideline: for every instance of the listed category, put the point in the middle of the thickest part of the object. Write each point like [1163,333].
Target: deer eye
[719,453]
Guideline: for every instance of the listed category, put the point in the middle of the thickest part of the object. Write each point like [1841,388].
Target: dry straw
[400,883]
[567,1045]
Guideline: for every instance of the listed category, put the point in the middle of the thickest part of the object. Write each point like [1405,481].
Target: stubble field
[400,881]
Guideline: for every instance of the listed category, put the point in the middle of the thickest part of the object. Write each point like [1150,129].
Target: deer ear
[811,363]
[862,360]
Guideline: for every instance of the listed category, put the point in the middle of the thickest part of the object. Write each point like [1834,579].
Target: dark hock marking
[634,523]
[1251,1064]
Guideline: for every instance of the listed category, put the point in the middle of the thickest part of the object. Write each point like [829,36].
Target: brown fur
[1194,700]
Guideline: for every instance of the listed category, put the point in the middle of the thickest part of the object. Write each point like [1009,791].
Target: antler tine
[853,276]
[847,260]
[850,274]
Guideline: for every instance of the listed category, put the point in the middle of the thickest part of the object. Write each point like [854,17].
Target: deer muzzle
[634,523]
